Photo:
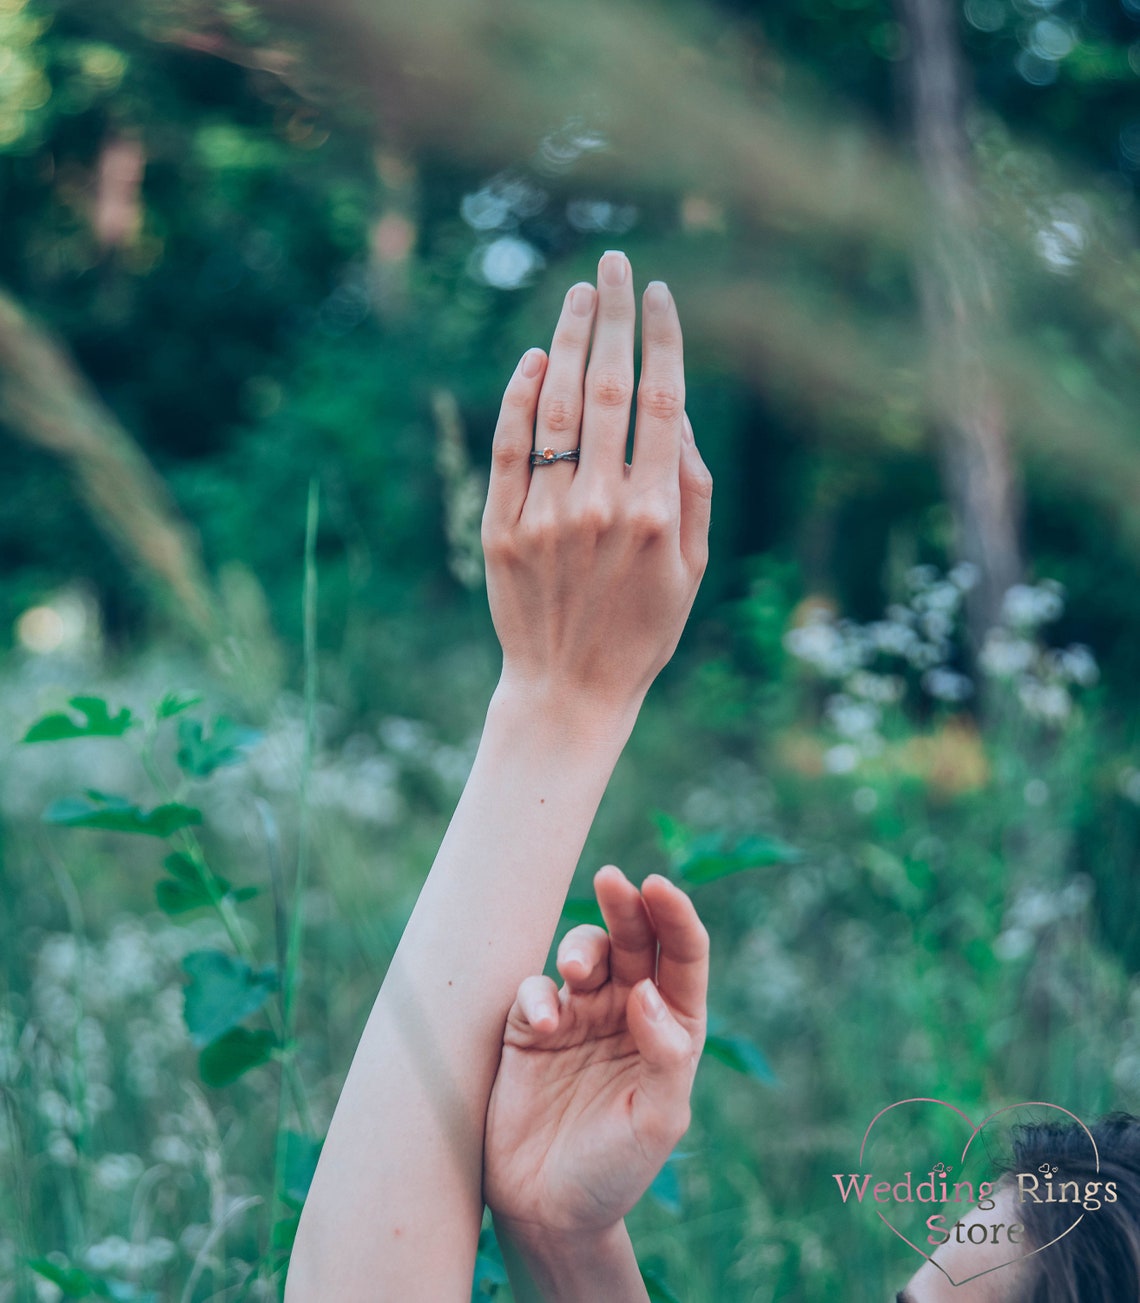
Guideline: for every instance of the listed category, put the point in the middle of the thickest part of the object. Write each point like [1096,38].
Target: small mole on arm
[450,983]
[542,800]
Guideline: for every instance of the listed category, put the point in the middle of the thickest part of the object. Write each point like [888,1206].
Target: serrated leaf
[223,990]
[739,1054]
[301,1155]
[199,753]
[582,911]
[71,1280]
[116,814]
[174,704]
[97,721]
[231,1056]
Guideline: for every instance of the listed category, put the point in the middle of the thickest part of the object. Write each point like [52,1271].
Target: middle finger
[609,379]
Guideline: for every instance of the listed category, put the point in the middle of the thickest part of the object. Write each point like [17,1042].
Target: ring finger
[560,402]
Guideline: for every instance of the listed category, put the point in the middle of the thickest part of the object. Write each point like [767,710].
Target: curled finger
[536,1010]
[584,957]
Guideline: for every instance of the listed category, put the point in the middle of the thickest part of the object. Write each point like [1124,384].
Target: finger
[660,392]
[536,1007]
[633,944]
[514,439]
[683,955]
[668,1056]
[559,421]
[609,378]
[696,502]
[584,957]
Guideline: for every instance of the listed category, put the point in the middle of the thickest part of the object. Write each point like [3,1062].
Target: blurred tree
[957,295]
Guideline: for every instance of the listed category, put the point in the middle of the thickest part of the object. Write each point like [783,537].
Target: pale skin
[591,573]
[985,1272]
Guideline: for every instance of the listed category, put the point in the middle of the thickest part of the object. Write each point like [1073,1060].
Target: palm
[561,1130]
[581,1118]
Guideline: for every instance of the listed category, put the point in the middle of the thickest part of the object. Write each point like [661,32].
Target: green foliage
[117,814]
[235,1053]
[96,721]
[200,754]
[739,1054]
[222,992]
[190,886]
[695,860]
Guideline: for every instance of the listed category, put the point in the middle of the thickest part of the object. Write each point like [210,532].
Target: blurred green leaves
[222,991]
[95,720]
[199,753]
[231,1056]
[696,859]
[117,814]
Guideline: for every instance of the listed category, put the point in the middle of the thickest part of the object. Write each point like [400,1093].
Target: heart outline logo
[975,1131]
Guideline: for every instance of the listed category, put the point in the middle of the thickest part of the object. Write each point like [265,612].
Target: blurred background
[265,269]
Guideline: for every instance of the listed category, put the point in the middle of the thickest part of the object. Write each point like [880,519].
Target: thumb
[661,1101]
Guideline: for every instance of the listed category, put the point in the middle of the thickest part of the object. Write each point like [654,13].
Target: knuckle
[651,520]
[498,545]
[518,397]
[507,456]
[664,402]
[610,389]
[702,481]
[593,518]
[560,414]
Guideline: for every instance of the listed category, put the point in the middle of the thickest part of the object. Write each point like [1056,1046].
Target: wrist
[549,711]
[570,1267]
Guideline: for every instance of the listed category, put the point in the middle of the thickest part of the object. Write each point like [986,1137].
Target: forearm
[550,1270]
[395,1206]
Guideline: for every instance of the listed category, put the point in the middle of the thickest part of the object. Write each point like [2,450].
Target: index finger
[660,392]
[683,960]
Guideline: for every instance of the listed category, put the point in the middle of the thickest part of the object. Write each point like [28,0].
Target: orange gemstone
[548,454]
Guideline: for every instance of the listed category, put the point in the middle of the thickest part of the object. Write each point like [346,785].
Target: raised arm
[591,572]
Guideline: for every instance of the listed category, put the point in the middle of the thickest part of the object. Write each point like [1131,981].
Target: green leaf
[174,704]
[97,721]
[199,755]
[708,858]
[116,814]
[284,1233]
[222,991]
[234,1054]
[665,1188]
[301,1154]
[656,1288]
[490,1271]
[582,911]
[71,1280]
[739,1054]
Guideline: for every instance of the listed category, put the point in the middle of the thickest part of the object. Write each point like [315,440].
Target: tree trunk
[979,475]
[47,402]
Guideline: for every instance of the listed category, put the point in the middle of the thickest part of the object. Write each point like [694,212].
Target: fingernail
[574,957]
[615,267]
[652,1003]
[657,296]
[546,1013]
[687,430]
[582,300]
[532,363]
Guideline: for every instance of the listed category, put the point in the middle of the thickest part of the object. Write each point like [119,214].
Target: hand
[592,1092]
[592,567]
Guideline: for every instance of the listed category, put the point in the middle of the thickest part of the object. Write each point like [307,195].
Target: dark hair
[1099,1260]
